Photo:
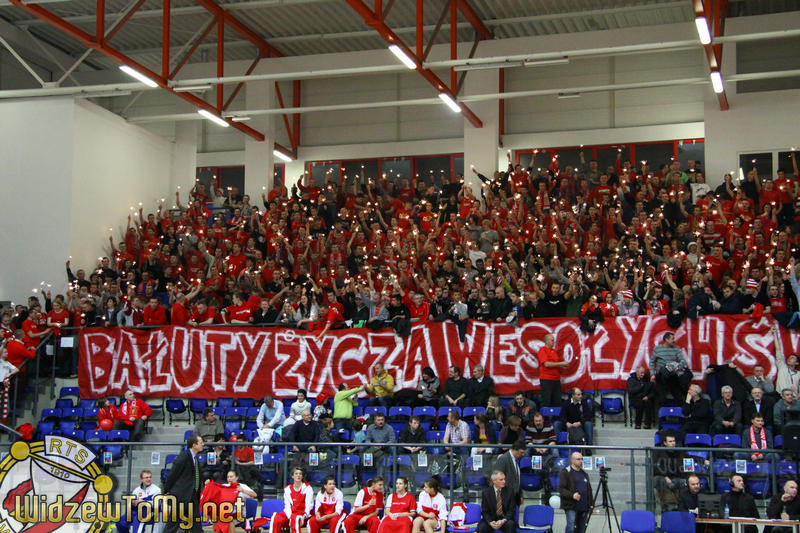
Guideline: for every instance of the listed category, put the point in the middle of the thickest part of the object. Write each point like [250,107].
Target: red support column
[296,116]
[420,26]
[124,20]
[453,44]
[220,58]
[165,38]
[474,19]
[100,22]
[713,52]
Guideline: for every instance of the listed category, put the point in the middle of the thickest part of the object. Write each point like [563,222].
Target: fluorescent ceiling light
[546,62]
[240,119]
[191,88]
[487,66]
[101,94]
[452,104]
[139,76]
[402,56]
[562,96]
[281,155]
[213,118]
[716,82]
[702,30]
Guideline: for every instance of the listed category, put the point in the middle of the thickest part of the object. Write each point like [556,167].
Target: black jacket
[500,308]
[686,500]
[767,409]
[479,392]
[183,480]
[741,504]
[489,504]
[639,388]
[566,488]
[775,507]
[668,462]
[699,411]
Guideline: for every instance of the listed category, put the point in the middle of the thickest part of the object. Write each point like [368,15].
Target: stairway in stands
[619,478]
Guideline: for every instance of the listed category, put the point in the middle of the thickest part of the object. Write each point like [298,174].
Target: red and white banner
[209,362]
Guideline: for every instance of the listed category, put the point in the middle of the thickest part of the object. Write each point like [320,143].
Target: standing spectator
[270,414]
[756,437]
[784,506]
[298,503]
[788,373]
[210,426]
[550,365]
[668,469]
[154,313]
[669,370]
[456,432]
[427,389]
[696,411]
[641,396]
[456,389]
[576,494]
[497,506]
[343,402]
[727,414]
[576,413]
[508,464]
[381,386]
[132,415]
[758,379]
[33,332]
[481,386]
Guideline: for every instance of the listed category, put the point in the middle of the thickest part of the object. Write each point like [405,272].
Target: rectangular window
[324,172]
[761,161]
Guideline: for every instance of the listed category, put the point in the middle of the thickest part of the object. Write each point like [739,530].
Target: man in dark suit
[183,482]
[481,387]
[758,403]
[508,464]
[497,506]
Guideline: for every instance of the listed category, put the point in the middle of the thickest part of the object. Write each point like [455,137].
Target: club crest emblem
[53,486]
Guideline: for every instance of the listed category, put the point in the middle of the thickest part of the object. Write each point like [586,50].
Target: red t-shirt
[155,317]
[17,352]
[548,355]
[29,326]
[236,312]
[179,315]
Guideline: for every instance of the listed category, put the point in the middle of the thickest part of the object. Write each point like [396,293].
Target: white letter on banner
[254,348]
[96,358]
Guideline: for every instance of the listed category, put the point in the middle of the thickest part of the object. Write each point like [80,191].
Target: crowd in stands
[576,241]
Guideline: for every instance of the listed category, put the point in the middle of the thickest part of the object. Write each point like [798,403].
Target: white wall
[36,180]
[71,170]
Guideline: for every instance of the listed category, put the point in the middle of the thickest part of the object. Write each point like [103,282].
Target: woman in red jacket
[298,501]
[400,509]
[105,411]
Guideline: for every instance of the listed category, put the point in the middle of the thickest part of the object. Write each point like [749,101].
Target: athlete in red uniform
[431,509]
[365,509]
[400,509]
[298,501]
[327,508]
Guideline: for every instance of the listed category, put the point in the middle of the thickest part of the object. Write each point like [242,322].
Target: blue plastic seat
[471,518]
[670,418]
[67,392]
[638,521]
[677,522]
[86,403]
[50,414]
[349,465]
[64,403]
[175,407]
[699,440]
[246,402]
[551,412]
[72,413]
[470,412]
[75,434]
[537,519]
[119,434]
[400,412]
[445,410]
[372,410]
[224,402]
[727,441]
[612,403]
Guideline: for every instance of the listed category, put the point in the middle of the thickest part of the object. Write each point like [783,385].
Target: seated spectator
[785,506]
[727,414]
[757,437]
[321,408]
[132,415]
[669,370]
[359,436]
[758,379]
[577,413]
[270,414]
[456,432]
[154,313]
[223,459]
[343,402]
[105,411]
[696,411]
[381,387]
[210,426]
[641,395]
[483,433]
[378,435]
[687,498]
[326,435]
[740,504]
[305,431]
[427,389]
[298,406]
[412,434]
[758,403]
[495,412]
[481,387]
[511,432]
[786,403]
[498,506]
[668,470]
[521,407]
[456,389]
[431,509]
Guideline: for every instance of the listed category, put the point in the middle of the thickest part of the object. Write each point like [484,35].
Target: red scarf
[753,444]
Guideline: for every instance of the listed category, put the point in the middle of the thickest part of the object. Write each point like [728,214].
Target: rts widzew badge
[53,486]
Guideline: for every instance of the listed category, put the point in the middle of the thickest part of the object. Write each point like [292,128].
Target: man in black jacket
[577,498]
[668,468]
[758,403]
[498,506]
[577,412]
[687,499]
[183,482]
[501,306]
[740,504]
[727,414]
[784,506]
[481,386]
[697,412]
[641,395]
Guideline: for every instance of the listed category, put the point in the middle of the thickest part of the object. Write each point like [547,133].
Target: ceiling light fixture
[702,30]
[402,56]
[280,155]
[138,75]
[452,104]
[213,118]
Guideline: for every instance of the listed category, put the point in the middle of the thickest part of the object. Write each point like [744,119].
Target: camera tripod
[605,502]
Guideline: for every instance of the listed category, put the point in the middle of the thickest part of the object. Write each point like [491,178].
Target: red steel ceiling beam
[296,116]
[100,21]
[372,20]
[191,51]
[91,42]
[473,18]
[220,59]
[124,20]
[713,52]
[266,49]
[165,39]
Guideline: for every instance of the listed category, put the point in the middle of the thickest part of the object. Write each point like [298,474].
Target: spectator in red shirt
[202,314]
[154,313]
[331,314]
[17,351]
[550,365]
[132,415]
[33,332]
[238,313]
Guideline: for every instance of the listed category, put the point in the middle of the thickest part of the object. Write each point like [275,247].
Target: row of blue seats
[721,440]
